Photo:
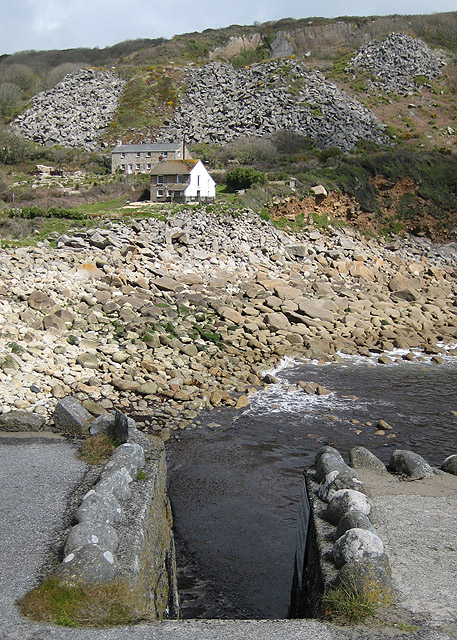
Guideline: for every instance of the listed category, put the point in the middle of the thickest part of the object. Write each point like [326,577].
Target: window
[123,167]
[137,154]
[122,155]
[179,179]
[165,154]
[159,179]
[148,166]
[178,155]
[148,154]
[137,167]
[160,193]
[198,181]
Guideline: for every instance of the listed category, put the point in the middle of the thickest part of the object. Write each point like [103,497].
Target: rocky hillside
[75,112]
[220,101]
[398,64]
[222,104]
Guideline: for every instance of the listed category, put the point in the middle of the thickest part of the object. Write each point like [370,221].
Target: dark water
[234,487]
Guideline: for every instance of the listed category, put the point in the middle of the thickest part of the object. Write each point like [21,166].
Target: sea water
[235,480]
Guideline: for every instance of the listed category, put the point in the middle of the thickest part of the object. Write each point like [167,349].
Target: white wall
[201,181]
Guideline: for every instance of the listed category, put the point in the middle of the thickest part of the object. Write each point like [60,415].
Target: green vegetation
[54,212]
[243,178]
[56,602]
[346,606]
[250,56]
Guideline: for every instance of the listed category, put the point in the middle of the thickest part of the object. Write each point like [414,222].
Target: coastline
[166,318]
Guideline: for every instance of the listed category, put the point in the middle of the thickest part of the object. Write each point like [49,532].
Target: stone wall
[340,546]
[123,529]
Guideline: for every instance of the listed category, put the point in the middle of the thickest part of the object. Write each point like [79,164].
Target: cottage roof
[170,167]
[155,147]
[173,187]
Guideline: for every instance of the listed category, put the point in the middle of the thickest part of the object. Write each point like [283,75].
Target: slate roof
[170,167]
[155,147]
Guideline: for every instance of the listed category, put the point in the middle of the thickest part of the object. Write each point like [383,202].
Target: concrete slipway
[418,524]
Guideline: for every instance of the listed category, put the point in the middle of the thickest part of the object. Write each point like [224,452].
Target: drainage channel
[235,503]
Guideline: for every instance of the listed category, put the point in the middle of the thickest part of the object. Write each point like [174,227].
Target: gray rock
[90,565]
[129,455]
[337,480]
[119,429]
[353,520]
[394,62]
[117,482]
[257,101]
[411,464]
[346,500]
[101,424]
[18,420]
[361,458]
[70,416]
[69,114]
[99,507]
[86,533]
[328,462]
[326,448]
[450,464]
[356,544]
[39,300]
[368,577]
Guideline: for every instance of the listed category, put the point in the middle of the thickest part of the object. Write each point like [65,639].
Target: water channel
[234,480]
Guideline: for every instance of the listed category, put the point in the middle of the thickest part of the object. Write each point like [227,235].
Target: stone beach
[161,319]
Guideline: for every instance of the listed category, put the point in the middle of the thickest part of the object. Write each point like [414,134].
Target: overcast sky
[64,24]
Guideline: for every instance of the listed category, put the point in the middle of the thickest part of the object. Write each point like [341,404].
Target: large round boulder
[369,578]
[411,464]
[356,544]
[346,500]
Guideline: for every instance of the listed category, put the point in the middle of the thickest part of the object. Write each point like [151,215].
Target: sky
[65,24]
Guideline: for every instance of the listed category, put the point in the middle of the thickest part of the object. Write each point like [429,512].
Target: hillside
[362,105]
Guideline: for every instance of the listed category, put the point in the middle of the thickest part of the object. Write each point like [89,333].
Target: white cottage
[182,181]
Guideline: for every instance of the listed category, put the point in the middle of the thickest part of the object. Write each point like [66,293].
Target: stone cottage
[140,158]
[182,181]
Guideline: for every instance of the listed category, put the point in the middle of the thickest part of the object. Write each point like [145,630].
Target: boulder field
[161,318]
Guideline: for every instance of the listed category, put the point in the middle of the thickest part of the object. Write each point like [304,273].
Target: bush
[54,212]
[244,177]
[289,142]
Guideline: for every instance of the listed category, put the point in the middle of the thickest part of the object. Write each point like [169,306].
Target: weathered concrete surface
[36,477]
[418,525]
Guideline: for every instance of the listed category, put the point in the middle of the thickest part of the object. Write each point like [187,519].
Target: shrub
[244,177]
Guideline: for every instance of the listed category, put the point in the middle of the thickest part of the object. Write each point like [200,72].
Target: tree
[10,99]
[244,177]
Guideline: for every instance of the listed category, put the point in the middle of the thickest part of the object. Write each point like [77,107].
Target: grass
[97,449]
[54,601]
[20,232]
[346,606]
[99,208]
